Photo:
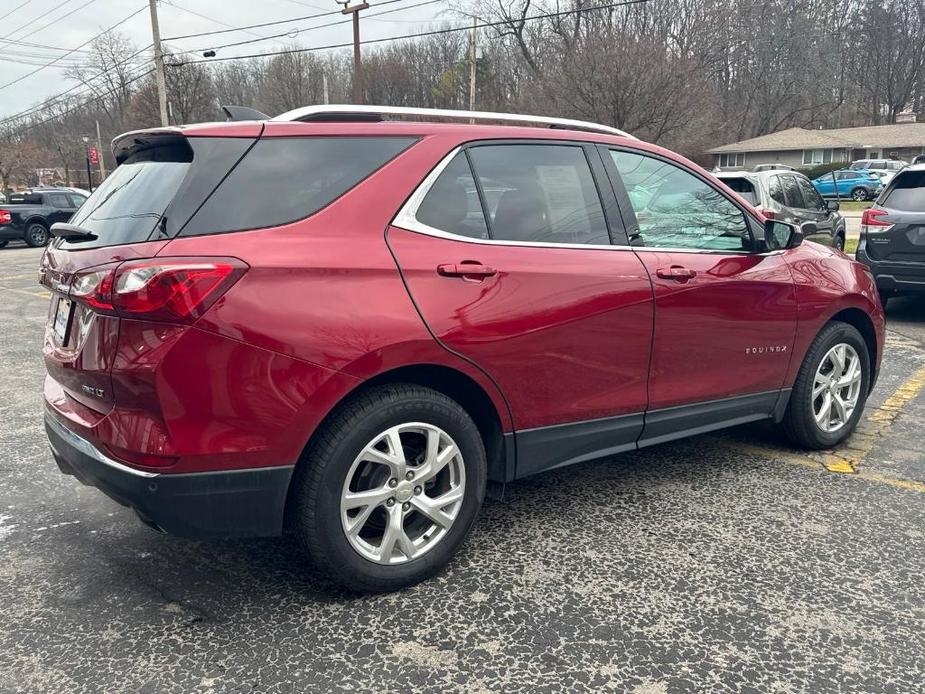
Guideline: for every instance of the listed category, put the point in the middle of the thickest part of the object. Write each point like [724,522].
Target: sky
[67,24]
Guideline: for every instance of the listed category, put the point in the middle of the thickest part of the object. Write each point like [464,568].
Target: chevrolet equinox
[346,324]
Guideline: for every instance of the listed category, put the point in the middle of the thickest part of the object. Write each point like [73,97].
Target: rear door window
[284,179]
[58,200]
[907,192]
[540,193]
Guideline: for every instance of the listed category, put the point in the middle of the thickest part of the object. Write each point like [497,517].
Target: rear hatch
[163,178]
[895,227]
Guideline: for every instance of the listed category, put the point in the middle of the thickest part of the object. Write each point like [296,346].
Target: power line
[267,24]
[294,32]
[18,7]
[50,101]
[87,42]
[54,21]
[202,16]
[69,111]
[420,34]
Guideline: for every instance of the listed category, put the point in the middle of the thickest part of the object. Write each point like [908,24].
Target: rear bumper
[234,503]
[905,277]
[8,233]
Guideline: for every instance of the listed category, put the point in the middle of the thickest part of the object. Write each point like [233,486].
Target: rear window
[283,180]
[743,187]
[129,203]
[907,193]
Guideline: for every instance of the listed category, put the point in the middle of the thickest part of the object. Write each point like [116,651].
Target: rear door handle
[676,273]
[473,270]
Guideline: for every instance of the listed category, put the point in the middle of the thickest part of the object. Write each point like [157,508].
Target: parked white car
[884,169]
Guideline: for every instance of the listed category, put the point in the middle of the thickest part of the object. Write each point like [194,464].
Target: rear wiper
[72,232]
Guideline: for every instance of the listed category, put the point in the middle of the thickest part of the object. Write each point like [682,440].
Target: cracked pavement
[717,564]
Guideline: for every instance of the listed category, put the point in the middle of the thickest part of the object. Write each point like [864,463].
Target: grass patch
[851,245]
[852,206]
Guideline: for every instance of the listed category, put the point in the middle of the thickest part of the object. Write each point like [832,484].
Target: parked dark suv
[790,197]
[347,326]
[892,240]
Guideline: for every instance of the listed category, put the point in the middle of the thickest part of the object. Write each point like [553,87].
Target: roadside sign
[94,156]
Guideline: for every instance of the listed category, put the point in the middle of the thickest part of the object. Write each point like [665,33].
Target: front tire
[388,490]
[3,243]
[830,390]
[839,242]
[36,235]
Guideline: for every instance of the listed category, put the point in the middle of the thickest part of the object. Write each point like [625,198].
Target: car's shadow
[906,308]
[211,580]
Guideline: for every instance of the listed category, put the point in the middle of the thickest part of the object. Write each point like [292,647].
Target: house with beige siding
[798,147]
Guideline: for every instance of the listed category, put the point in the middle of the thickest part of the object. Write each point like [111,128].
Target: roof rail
[372,114]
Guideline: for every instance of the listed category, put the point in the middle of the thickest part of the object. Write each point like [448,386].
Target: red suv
[346,325]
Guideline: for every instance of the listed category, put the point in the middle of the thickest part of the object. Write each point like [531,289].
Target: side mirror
[780,235]
[832,205]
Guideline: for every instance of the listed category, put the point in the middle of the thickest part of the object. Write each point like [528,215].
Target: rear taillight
[6,217]
[766,213]
[94,287]
[871,222]
[176,290]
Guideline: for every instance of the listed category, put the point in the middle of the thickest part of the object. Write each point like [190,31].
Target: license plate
[62,319]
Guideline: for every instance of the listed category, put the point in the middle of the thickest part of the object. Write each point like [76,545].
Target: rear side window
[792,195]
[775,190]
[743,187]
[452,204]
[907,193]
[282,180]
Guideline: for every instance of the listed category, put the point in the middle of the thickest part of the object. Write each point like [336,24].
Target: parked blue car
[858,185]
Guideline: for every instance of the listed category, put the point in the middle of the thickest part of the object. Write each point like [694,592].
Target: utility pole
[472,65]
[357,67]
[159,63]
[99,149]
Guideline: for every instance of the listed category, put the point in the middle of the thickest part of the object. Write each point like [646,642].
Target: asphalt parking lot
[721,563]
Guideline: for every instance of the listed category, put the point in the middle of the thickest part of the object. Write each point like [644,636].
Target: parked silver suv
[790,197]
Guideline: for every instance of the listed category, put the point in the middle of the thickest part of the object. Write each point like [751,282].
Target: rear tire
[840,242]
[355,453]
[859,195]
[3,243]
[36,235]
[817,381]
[885,295]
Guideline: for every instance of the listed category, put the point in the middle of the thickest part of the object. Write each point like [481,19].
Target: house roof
[873,136]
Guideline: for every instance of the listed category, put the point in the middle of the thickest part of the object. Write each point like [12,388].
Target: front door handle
[676,273]
[466,270]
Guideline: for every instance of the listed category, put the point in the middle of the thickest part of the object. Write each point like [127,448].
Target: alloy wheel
[402,493]
[38,235]
[836,387]
[859,195]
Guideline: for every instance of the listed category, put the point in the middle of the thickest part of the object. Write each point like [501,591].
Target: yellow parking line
[848,458]
[41,295]
[30,276]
